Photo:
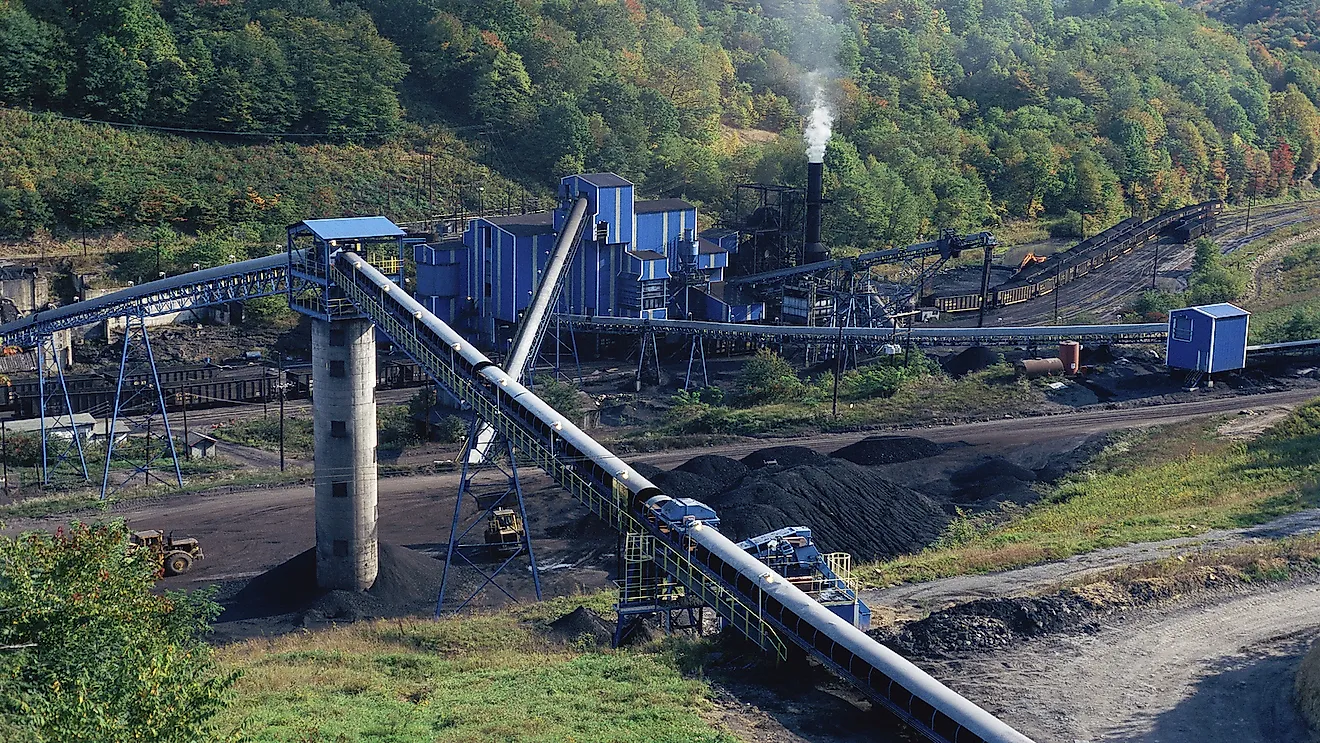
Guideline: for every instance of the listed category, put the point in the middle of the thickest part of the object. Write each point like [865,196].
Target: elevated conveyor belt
[753,598]
[1137,333]
[259,277]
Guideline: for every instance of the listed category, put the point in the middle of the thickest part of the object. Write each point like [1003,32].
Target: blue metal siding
[1230,344]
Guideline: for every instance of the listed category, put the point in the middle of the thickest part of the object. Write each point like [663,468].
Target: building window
[341,548]
[337,369]
[488,289]
[602,232]
[1182,328]
[339,429]
[339,490]
[338,337]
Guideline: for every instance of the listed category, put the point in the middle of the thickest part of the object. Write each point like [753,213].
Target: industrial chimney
[815,251]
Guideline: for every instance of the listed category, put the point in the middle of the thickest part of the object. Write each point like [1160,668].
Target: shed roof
[33,425]
[706,247]
[347,228]
[201,439]
[526,225]
[657,206]
[1220,311]
[604,180]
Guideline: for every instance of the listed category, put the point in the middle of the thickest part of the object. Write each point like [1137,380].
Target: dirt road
[920,598]
[247,532]
[1218,671]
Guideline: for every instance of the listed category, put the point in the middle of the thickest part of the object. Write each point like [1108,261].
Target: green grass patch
[264,433]
[902,400]
[471,679]
[1148,486]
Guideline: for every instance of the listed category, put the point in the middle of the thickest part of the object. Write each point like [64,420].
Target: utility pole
[4,456]
[280,382]
[1247,229]
[1155,267]
[187,442]
[1056,292]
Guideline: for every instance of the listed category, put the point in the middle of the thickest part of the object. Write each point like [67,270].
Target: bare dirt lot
[1219,670]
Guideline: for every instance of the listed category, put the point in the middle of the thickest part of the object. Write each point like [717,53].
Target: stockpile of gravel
[973,359]
[876,450]
[990,623]
[407,582]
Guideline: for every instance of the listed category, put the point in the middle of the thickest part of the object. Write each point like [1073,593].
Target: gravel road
[921,598]
[1218,671]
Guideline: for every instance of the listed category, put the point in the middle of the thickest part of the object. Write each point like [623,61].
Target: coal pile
[720,470]
[876,450]
[848,507]
[581,626]
[973,359]
[783,456]
[992,482]
[986,624]
[407,582]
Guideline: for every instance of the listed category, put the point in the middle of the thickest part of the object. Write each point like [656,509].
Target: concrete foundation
[344,409]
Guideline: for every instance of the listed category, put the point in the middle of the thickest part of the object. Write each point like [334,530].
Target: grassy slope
[1153,485]
[471,679]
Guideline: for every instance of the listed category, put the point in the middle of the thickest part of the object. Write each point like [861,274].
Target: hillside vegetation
[949,113]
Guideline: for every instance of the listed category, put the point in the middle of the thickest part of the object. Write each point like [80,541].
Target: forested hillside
[950,113]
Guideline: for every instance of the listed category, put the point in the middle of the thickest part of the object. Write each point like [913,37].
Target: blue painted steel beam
[259,277]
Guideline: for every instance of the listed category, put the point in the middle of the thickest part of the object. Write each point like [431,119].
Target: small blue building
[1208,339]
[632,255]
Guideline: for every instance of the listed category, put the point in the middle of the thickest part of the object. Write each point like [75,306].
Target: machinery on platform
[176,555]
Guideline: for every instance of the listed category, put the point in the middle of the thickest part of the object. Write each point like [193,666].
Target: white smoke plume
[820,122]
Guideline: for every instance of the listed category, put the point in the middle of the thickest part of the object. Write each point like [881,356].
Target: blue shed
[1208,339]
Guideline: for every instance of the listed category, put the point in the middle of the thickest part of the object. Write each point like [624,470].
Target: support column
[344,411]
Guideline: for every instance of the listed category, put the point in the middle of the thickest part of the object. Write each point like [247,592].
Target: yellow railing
[613,509]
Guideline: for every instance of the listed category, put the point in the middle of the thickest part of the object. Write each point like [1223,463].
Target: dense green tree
[93,653]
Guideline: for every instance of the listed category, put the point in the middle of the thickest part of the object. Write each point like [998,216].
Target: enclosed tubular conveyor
[746,592]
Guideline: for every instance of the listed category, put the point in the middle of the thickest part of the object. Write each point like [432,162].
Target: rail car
[1041,279]
[194,387]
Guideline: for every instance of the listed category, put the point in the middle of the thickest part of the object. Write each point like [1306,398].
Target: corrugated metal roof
[1221,311]
[350,227]
[33,425]
[526,225]
[657,206]
[706,247]
[604,180]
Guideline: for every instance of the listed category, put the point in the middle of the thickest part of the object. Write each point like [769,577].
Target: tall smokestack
[815,251]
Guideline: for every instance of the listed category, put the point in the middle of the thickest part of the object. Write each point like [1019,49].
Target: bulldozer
[504,530]
[176,555]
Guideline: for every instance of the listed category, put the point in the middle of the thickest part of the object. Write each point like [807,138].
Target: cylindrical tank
[1033,368]
[1070,353]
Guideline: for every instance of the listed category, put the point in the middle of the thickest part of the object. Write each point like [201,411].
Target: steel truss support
[565,344]
[650,349]
[697,352]
[138,406]
[491,483]
[54,402]
[645,592]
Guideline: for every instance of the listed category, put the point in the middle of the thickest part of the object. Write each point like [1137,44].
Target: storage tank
[1070,353]
[1033,368]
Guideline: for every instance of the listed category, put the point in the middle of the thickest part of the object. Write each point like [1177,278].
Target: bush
[1070,226]
[767,378]
[883,379]
[95,654]
[1156,305]
[561,396]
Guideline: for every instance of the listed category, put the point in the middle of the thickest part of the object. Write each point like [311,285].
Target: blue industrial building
[636,259]
[1208,339]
